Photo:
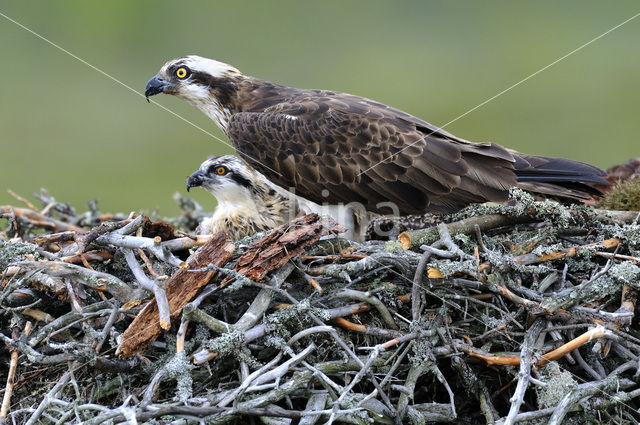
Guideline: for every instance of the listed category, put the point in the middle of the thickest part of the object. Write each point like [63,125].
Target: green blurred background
[70,129]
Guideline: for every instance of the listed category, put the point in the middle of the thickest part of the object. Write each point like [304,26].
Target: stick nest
[514,313]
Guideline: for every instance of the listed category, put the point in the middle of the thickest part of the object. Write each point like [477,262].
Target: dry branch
[39,218]
[181,288]
[93,279]
[415,238]
[597,332]
[310,328]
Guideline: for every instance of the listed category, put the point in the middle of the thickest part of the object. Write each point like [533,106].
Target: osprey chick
[247,204]
[338,148]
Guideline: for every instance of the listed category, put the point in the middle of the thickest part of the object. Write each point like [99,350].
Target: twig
[181,335]
[585,390]
[75,304]
[597,332]
[181,288]
[38,217]
[415,238]
[263,376]
[527,259]
[84,239]
[416,287]
[315,403]
[617,256]
[579,293]
[64,321]
[367,329]
[13,364]
[375,302]
[194,314]
[21,199]
[94,279]
[48,398]
[107,327]
[164,313]
[139,242]
[262,300]
[525,369]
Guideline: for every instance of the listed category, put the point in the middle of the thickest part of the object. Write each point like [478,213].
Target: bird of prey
[332,148]
[247,203]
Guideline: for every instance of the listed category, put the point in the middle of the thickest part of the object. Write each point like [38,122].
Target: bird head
[226,177]
[207,84]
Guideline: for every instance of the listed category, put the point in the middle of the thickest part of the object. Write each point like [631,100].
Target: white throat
[217,113]
[238,198]
[201,98]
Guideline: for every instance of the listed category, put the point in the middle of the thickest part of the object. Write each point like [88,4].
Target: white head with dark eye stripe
[227,178]
[207,84]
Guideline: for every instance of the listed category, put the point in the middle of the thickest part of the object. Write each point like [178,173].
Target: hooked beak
[195,179]
[156,85]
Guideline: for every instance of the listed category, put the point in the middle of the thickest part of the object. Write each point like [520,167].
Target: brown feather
[364,151]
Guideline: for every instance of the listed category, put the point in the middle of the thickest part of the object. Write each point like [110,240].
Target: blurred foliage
[66,127]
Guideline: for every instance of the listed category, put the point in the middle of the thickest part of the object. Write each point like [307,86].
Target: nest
[514,313]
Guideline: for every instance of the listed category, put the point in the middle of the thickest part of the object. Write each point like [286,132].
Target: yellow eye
[182,72]
[221,171]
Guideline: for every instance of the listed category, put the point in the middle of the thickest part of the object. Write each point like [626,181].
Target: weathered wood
[466,337]
[532,258]
[574,344]
[413,239]
[46,221]
[48,271]
[181,288]
[283,243]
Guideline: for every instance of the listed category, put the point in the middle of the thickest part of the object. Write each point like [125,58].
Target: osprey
[247,204]
[338,148]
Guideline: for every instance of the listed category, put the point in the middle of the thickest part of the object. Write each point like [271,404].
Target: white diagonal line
[109,76]
[507,89]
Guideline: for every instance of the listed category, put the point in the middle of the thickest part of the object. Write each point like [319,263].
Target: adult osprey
[334,148]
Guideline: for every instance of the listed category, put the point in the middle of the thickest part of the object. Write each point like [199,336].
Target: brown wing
[362,151]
